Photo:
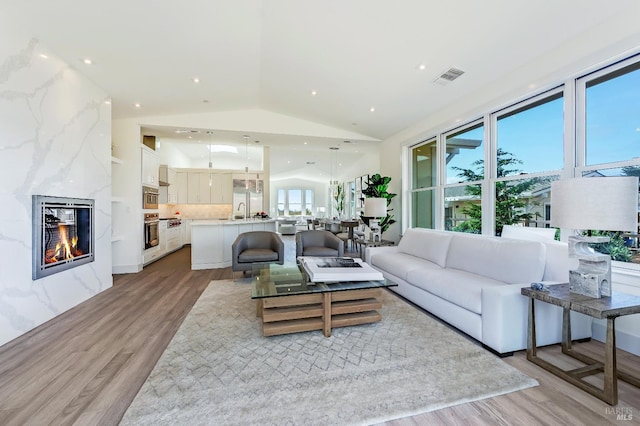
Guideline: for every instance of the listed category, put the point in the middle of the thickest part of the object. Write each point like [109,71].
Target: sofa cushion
[257,255]
[399,264]
[511,261]
[461,288]
[427,244]
[320,251]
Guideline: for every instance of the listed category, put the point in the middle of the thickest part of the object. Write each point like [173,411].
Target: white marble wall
[55,139]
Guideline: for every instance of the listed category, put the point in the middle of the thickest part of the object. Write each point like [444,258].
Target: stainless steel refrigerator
[249,192]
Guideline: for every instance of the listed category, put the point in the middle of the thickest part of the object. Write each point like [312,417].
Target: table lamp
[375,208]
[595,203]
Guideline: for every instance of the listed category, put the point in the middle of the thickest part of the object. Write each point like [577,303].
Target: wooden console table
[609,308]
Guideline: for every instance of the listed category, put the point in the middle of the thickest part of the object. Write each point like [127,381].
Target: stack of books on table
[336,269]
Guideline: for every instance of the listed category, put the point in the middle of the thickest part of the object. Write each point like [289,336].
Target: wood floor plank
[85,366]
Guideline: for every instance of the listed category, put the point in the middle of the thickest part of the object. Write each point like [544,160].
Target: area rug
[220,370]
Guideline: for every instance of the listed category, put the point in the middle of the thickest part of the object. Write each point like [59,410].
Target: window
[522,202]
[608,106]
[532,135]
[463,209]
[282,200]
[308,202]
[424,165]
[295,202]
[612,108]
[464,151]
[423,209]
[590,131]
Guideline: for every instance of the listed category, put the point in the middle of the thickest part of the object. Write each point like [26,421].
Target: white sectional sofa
[473,283]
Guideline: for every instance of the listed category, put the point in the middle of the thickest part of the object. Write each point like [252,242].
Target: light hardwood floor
[86,366]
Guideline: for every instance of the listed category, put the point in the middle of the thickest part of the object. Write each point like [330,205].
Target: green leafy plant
[377,187]
[616,248]
[509,202]
[338,198]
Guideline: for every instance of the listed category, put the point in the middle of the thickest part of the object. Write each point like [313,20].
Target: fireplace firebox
[63,234]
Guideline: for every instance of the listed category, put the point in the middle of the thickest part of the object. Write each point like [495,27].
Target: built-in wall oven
[151,230]
[149,197]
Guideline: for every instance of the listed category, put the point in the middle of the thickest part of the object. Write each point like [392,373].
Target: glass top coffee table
[288,303]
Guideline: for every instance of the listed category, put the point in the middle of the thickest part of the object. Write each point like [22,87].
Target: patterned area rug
[220,370]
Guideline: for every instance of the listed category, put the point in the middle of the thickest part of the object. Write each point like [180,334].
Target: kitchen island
[211,239]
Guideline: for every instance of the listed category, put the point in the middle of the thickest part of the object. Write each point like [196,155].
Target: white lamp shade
[375,207]
[596,203]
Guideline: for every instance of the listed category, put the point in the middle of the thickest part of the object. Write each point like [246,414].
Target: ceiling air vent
[448,76]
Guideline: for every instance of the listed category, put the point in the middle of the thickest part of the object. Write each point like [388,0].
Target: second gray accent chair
[318,243]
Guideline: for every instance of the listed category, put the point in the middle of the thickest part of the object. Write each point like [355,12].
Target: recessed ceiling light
[87,61]
[305,143]
[108,102]
[42,55]
[196,80]
[422,67]
[313,93]
[137,105]
[372,109]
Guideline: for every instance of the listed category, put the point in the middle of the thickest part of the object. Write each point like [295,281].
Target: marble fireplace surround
[55,139]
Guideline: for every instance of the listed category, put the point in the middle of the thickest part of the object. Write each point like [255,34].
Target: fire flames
[66,248]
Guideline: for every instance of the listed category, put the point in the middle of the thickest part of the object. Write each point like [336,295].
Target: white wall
[127,184]
[55,137]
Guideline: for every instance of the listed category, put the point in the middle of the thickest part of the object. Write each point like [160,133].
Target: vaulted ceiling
[365,66]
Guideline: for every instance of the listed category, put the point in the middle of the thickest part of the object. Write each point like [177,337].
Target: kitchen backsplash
[195,211]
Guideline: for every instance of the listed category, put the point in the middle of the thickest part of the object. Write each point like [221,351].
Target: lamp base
[593,276]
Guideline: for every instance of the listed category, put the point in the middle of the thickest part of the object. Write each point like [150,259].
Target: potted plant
[377,187]
[338,197]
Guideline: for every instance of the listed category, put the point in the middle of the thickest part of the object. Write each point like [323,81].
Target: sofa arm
[505,318]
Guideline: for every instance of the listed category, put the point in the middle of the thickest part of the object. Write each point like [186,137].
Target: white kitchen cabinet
[150,165]
[221,188]
[168,185]
[162,237]
[199,191]
[182,187]
[174,238]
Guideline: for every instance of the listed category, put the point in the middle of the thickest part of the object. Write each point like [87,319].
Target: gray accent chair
[318,243]
[256,247]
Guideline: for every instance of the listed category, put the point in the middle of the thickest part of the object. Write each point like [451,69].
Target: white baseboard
[625,339]
[126,269]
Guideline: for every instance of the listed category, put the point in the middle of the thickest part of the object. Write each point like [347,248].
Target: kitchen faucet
[241,203]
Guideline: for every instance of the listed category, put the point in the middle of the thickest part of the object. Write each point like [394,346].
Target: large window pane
[424,165]
[464,150]
[523,202]
[308,202]
[462,209]
[423,205]
[295,202]
[612,109]
[533,134]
